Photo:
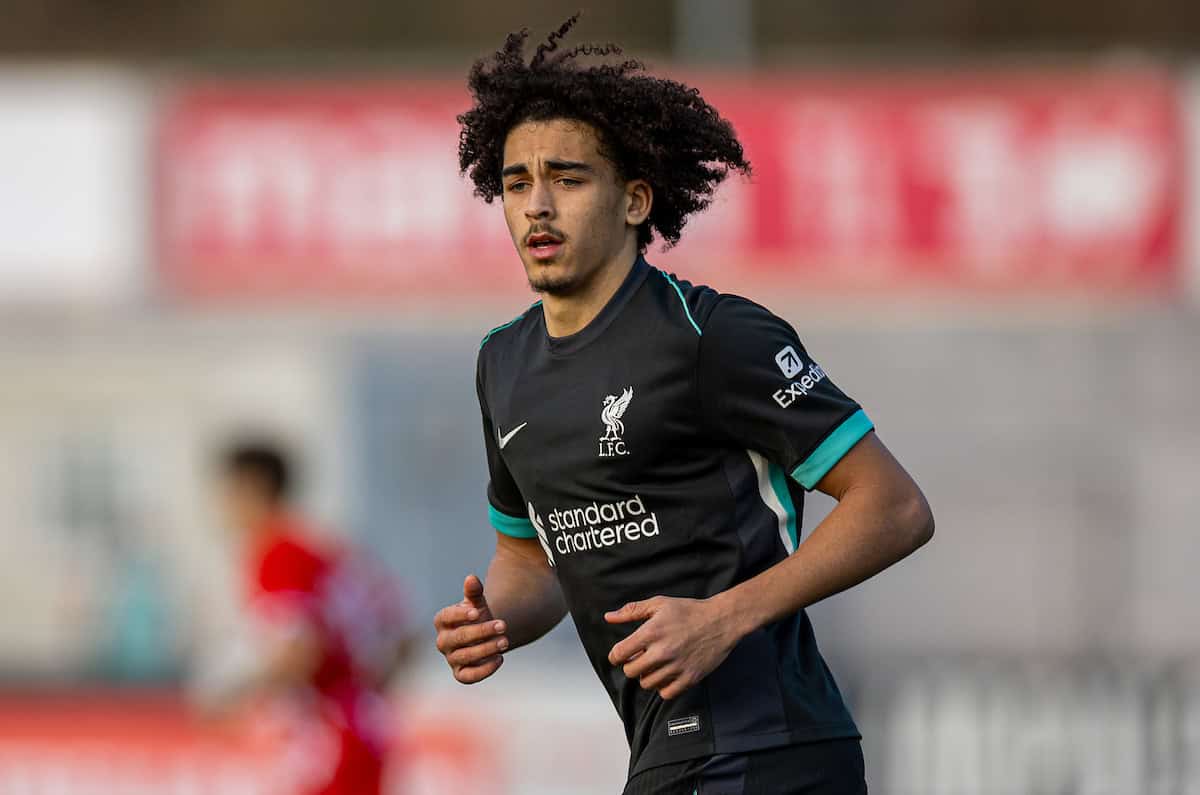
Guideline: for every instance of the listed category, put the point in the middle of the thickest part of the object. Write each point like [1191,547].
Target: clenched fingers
[643,664]
[449,640]
[657,680]
[677,687]
[455,615]
[476,654]
[627,649]
[470,674]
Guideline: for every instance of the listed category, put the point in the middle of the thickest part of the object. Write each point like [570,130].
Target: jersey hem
[745,743]
[830,451]
[513,526]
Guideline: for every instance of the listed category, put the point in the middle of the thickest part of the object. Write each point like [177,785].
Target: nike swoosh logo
[506,438]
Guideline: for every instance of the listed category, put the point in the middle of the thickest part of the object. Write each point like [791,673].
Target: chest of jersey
[601,424]
[606,459]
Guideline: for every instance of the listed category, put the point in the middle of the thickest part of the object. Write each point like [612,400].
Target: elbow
[915,519]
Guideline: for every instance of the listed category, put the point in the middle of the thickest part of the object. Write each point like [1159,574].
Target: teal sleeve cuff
[510,525]
[830,451]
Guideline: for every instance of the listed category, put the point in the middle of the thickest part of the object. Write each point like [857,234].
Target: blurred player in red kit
[328,632]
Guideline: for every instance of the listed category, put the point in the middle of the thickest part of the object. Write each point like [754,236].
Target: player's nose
[541,202]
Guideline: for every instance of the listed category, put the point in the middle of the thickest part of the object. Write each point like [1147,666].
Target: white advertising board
[74,186]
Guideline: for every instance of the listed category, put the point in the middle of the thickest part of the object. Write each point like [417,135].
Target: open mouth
[543,246]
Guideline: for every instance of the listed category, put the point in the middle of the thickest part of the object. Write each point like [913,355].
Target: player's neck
[569,314]
[266,521]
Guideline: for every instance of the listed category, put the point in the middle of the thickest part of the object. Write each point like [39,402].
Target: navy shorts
[829,767]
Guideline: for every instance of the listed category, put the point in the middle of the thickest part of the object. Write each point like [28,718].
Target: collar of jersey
[565,346]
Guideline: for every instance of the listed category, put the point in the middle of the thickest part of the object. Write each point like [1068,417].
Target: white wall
[74,156]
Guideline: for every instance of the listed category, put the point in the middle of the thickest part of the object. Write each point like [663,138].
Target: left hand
[680,642]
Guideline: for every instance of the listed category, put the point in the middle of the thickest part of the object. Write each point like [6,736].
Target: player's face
[568,212]
[244,506]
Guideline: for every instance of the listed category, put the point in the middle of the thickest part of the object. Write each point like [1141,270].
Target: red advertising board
[997,181]
[121,743]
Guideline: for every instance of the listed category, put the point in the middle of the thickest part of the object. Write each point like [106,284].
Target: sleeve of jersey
[290,568]
[506,505]
[759,389]
[288,578]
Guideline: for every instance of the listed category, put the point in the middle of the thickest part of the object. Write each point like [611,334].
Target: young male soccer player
[330,631]
[650,442]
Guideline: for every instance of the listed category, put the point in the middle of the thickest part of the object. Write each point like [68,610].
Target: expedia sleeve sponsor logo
[599,525]
[789,362]
[800,387]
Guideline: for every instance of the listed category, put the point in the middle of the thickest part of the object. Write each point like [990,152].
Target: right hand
[472,640]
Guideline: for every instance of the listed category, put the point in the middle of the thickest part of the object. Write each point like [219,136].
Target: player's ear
[639,198]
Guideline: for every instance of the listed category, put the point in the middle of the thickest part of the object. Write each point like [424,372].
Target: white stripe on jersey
[767,492]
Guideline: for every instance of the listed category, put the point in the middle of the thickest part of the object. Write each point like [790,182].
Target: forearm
[250,670]
[525,594]
[864,534]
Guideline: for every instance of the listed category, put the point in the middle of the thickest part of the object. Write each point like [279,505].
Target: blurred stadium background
[981,217]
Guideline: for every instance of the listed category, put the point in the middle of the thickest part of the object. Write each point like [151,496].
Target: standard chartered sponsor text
[600,525]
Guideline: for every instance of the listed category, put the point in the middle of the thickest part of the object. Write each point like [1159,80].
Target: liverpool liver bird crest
[614,409]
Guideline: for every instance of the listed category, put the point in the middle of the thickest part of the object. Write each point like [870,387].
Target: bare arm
[881,517]
[523,603]
[523,590]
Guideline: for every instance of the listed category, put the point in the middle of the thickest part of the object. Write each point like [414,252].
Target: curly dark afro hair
[650,128]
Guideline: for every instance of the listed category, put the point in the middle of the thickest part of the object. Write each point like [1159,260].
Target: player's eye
[517,187]
[570,182]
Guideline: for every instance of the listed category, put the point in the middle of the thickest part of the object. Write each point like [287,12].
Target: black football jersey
[665,449]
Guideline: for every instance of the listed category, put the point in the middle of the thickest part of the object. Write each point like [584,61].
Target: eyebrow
[554,165]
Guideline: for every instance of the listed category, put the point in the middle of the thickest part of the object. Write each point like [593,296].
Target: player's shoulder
[704,308]
[685,304]
[506,337]
[507,332]
[292,563]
